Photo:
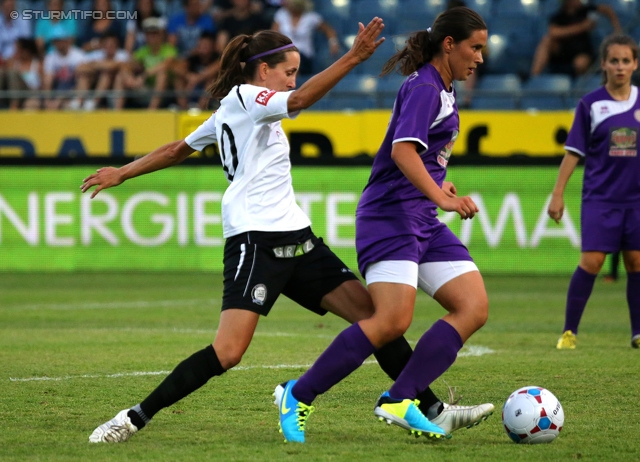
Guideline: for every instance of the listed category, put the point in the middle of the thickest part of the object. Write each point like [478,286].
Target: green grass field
[77,348]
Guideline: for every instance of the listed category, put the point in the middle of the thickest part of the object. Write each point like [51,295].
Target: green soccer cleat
[567,341]
[635,341]
[405,413]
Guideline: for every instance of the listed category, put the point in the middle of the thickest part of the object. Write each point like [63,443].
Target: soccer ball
[532,415]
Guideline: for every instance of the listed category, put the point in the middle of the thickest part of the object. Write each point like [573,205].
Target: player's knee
[229,357]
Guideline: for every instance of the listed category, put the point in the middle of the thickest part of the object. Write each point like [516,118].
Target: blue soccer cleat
[293,415]
[405,413]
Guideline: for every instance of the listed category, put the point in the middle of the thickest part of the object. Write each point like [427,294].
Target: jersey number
[228,165]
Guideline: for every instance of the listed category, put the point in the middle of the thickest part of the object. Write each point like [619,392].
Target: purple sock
[435,352]
[345,354]
[633,299]
[579,292]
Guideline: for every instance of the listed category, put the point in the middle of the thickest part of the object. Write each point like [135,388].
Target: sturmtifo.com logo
[73,14]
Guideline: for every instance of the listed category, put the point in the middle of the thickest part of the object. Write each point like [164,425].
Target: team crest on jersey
[259,294]
[445,152]
[623,142]
[264,96]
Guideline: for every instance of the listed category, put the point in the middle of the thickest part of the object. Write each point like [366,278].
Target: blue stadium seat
[517,7]
[497,91]
[365,10]
[623,8]
[484,7]
[331,8]
[521,35]
[497,62]
[583,85]
[388,87]
[547,92]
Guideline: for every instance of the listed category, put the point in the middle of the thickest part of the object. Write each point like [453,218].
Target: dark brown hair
[459,23]
[616,39]
[234,68]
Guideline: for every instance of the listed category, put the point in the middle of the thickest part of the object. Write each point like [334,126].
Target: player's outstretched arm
[163,157]
[365,43]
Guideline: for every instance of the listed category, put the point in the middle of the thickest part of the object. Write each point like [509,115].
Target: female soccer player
[605,132]
[270,248]
[400,242]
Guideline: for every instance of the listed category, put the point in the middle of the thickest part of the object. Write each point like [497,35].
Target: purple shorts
[384,239]
[607,228]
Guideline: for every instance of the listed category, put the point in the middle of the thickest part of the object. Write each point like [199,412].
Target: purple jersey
[424,113]
[605,133]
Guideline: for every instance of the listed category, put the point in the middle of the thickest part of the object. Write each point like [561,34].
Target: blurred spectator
[11,30]
[297,20]
[194,73]
[185,28]
[24,73]
[99,71]
[243,19]
[53,25]
[221,9]
[135,35]
[149,69]
[567,47]
[100,25]
[59,68]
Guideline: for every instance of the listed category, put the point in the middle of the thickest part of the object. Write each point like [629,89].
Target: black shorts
[259,266]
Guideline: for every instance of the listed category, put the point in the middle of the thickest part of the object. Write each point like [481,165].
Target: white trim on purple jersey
[605,132]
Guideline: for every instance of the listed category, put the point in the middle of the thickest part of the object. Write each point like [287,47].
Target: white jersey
[255,158]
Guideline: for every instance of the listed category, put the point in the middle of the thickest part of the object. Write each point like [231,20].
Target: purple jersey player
[402,245]
[605,133]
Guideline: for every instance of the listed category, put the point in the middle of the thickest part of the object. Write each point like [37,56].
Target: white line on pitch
[472,350]
[116,305]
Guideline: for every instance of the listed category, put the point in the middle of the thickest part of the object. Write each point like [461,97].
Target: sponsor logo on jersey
[623,142]
[259,294]
[264,96]
[445,152]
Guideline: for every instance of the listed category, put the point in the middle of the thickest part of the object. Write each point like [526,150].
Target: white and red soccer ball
[532,415]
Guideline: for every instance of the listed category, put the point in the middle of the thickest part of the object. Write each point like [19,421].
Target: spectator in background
[135,35]
[53,25]
[195,72]
[605,134]
[100,25]
[297,20]
[24,73]
[99,71]
[567,47]
[60,68]
[11,30]
[243,19]
[149,69]
[185,28]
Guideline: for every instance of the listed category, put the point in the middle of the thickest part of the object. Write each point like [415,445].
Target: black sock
[187,377]
[392,358]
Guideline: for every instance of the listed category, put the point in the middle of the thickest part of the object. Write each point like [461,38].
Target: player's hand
[106,177]
[556,208]
[449,189]
[366,42]
[463,206]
